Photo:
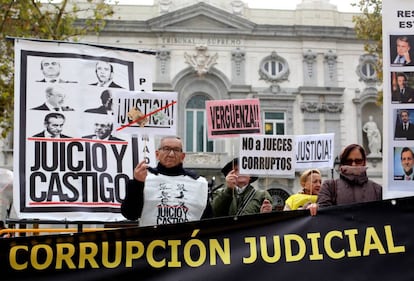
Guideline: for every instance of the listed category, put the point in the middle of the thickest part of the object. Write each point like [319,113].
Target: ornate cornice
[329,107]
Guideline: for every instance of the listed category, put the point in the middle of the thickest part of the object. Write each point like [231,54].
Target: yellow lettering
[276,249]
[328,245]
[105,255]
[201,249]
[65,252]
[34,254]
[253,250]
[392,249]
[150,254]
[222,252]
[12,257]
[288,239]
[316,255]
[174,253]
[87,252]
[353,250]
[133,250]
[371,235]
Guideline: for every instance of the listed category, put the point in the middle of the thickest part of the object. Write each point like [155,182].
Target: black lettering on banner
[146,106]
[79,172]
[405,24]
[266,163]
[70,161]
[235,116]
[32,190]
[277,144]
[247,143]
[314,150]
[135,151]
[60,188]
[405,14]
[119,155]
[99,158]
[168,214]
[258,145]
[60,156]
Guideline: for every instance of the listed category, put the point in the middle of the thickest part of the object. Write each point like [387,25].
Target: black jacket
[133,203]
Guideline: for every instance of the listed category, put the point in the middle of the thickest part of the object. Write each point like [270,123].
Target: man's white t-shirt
[173,199]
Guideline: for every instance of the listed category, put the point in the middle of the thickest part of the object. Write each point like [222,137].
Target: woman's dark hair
[347,150]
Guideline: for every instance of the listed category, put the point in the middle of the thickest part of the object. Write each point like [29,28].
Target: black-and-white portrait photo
[106,106]
[105,74]
[103,130]
[55,100]
[51,69]
[53,124]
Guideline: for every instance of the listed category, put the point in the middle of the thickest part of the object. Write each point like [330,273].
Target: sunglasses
[349,162]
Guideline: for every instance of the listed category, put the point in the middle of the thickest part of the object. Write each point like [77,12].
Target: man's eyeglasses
[357,161]
[169,149]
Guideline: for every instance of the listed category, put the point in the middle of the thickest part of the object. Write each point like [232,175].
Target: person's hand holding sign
[266,207]
[140,171]
[231,179]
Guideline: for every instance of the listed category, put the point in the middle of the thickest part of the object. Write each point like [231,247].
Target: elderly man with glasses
[168,193]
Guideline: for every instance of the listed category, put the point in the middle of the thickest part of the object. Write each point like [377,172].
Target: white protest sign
[146,146]
[398,80]
[71,162]
[267,155]
[145,113]
[315,151]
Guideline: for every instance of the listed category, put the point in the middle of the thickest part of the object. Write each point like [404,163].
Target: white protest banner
[145,113]
[315,151]
[267,155]
[231,118]
[70,163]
[398,97]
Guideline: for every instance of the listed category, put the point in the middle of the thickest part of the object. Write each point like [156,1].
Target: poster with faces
[398,94]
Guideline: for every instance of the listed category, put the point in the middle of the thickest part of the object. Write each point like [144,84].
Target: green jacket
[226,202]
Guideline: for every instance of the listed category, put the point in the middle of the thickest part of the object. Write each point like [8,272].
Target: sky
[343,5]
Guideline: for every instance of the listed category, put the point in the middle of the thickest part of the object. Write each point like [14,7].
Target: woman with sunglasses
[311,181]
[353,185]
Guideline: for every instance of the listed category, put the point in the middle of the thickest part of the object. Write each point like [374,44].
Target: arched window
[196,125]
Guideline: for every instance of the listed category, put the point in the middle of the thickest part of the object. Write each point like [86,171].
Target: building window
[366,68]
[274,68]
[196,139]
[274,123]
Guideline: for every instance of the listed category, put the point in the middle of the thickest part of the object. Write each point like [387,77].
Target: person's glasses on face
[349,162]
[168,149]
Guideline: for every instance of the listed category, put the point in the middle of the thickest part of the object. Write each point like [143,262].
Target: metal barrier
[49,230]
[35,230]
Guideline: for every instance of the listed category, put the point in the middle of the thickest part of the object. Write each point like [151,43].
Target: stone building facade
[306,67]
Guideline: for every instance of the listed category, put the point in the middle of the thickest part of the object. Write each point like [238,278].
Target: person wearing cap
[353,185]
[239,197]
[311,181]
